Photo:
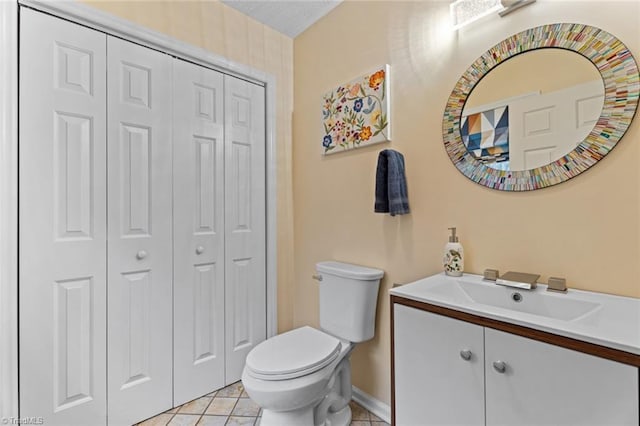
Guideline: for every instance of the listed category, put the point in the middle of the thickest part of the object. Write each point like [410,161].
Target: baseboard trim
[372,404]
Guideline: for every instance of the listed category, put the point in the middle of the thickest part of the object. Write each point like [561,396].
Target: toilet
[303,377]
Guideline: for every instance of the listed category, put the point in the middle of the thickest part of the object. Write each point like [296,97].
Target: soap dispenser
[453,260]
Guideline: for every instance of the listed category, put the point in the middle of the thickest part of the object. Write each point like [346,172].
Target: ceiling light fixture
[464,12]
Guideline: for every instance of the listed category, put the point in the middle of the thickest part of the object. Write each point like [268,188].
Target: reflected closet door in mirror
[532,109]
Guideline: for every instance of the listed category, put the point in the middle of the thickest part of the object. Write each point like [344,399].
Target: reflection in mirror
[532,109]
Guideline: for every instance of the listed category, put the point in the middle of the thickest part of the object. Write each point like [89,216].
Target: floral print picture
[357,113]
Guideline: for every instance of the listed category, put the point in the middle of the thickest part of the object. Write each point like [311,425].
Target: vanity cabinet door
[535,383]
[432,369]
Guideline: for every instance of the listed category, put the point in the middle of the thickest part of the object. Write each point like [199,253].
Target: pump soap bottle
[453,260]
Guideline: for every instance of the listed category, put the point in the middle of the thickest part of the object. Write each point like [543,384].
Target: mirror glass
[532,109]
[510,122]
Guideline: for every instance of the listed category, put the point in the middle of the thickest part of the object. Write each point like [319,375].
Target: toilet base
[320,413]
[341,418]
[304,417]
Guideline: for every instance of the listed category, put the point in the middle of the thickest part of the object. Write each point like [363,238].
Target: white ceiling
[288,17]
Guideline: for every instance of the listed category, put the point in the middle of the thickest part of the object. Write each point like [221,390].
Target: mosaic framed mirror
[541,107]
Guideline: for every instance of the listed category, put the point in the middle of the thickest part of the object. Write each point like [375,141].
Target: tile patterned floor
[231,406]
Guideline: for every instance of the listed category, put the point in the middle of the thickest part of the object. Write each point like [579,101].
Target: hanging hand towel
[391,184]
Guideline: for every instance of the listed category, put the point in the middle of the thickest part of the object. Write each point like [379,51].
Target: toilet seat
[293,354]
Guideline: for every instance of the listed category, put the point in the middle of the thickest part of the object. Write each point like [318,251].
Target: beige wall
[224,31]
[586,229]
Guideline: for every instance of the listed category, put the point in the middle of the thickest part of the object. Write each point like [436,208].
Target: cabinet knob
[199,250]
[500,366]
[465,354]
[141,254]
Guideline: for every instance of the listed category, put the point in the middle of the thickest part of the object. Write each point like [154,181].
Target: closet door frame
[111,25]
[8,210]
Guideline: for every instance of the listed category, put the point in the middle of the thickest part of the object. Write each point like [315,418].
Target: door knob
[199,250]
[466,354]
[500,366]
[141,255]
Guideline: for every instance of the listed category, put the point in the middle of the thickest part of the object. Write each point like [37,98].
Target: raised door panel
[135,180]
[245,274]
[549,126]
[544,384]
[72,333]
[139,214]
[62,221]
[135,299]
[198,225]
[434,384]
[536,132]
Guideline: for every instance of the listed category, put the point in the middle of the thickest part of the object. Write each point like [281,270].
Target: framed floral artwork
[356,114]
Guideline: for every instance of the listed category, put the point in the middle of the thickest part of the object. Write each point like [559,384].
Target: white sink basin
[603,319]
[544,304]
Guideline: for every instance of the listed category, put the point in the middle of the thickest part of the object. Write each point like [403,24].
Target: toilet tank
[348,300]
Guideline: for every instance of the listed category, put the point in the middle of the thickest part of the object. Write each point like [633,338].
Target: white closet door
[198,224]
[139,215]
[62,221]
[245,274]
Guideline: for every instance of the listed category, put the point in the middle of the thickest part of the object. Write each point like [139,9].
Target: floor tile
[197,406]
[184,420]
[357,412]
[226,408]
[160,420]
[233,390]
[241,421]
[221,406]
[246,407]
[213,421]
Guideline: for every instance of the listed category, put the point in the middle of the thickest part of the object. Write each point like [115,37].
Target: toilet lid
[293,354]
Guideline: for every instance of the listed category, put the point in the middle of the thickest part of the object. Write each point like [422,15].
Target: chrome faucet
[557,284]
[523,280]
[513,279]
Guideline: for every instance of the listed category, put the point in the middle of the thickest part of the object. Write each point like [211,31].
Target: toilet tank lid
[348,270]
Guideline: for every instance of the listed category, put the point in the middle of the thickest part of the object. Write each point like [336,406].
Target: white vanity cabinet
[543,384]
[430,377]
[508,379]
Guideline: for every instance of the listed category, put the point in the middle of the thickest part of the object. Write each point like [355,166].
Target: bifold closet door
[62,221]
[140,297]
[198,223]
[245,244]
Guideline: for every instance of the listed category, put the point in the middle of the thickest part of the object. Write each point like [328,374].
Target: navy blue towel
[391,184]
